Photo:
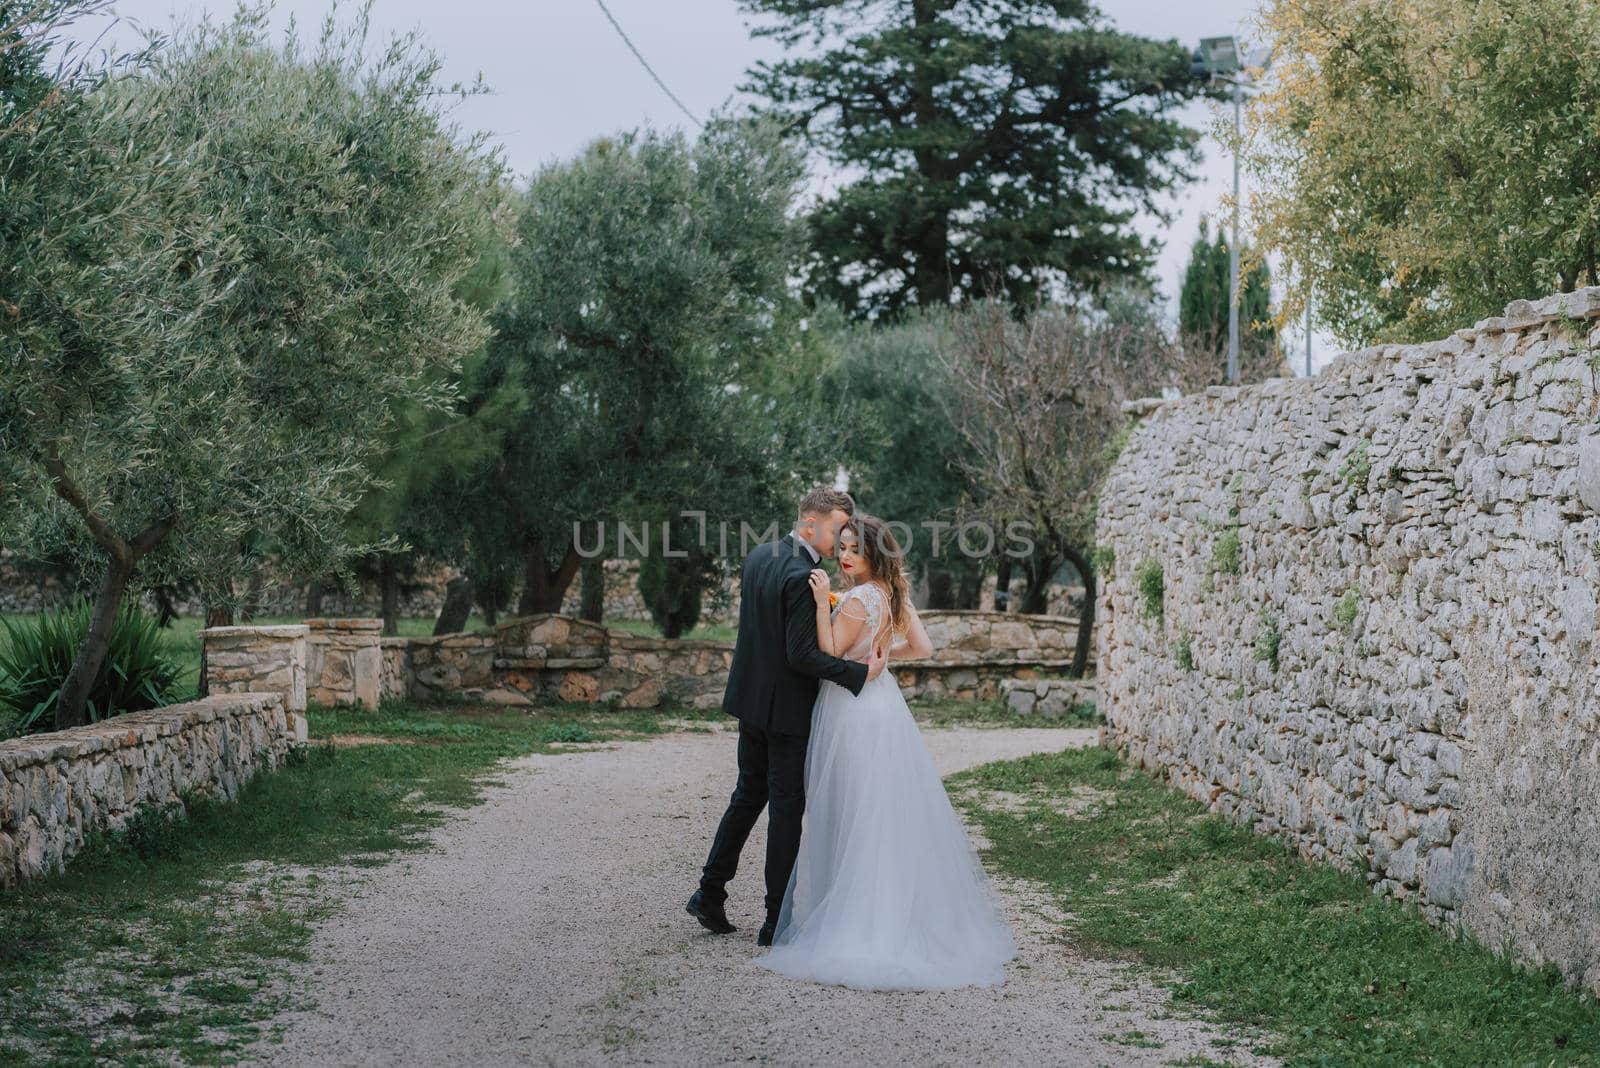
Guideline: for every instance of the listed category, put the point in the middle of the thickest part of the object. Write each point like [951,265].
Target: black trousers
[772,774]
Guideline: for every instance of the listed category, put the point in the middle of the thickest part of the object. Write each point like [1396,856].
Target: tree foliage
[1422,163]
[221,274]
[651,335]
[891,429]
[1040,404]
[1010,140]
[1203,303]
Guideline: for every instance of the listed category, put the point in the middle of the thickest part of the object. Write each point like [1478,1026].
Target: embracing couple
[881,890]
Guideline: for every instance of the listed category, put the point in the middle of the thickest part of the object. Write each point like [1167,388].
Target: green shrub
[567,732]
[1225,554]
[673,589]
[1268,639]
[1358,465]
[1103,559]
[1184,652]
[1345,609]
[1153,588]
[38,652]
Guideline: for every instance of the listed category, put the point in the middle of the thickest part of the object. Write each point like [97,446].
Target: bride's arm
[915,645]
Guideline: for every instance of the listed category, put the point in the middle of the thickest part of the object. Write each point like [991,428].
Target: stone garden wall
[57,788]
[1358,612]
[558,658]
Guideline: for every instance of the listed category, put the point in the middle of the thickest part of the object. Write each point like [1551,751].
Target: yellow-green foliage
[1421,163]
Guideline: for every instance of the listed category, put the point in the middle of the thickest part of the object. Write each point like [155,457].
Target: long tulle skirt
[888,893]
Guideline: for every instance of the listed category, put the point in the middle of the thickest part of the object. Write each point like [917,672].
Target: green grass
[1225,554]
[170,941]
[1183,651]
[1346,608]
[1269,640]
[1152,583]
[716,632]
[1241,928]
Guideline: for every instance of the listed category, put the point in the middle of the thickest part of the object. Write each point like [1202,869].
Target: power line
[648,69]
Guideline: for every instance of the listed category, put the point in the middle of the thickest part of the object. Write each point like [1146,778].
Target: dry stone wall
[57,788]
[558,658]
[1358,611]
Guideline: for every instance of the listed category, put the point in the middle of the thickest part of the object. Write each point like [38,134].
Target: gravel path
[548,928]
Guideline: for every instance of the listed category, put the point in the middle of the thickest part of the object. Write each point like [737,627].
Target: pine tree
[1203,308]
[1002,144]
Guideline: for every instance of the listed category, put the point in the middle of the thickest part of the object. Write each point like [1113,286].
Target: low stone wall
[57,788]
[557,658]
[257,660]
[344,661]
[1002,637]
[1049,698]
[552,657]
[1359,612]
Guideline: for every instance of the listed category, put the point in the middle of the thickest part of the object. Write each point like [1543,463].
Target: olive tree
[653,335]
[1038,396]
[223,274]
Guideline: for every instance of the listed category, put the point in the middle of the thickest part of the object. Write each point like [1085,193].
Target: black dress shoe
[709,913]
[768,929]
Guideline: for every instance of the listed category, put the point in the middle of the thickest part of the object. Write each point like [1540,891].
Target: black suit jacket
[776,662]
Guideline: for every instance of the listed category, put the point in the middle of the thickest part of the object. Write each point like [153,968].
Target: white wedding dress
[888,893]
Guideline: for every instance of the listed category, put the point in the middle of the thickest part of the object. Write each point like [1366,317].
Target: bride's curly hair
[886,562]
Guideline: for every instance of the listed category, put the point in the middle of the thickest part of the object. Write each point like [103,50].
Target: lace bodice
[864,602]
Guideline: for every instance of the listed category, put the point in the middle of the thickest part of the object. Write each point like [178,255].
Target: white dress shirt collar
[811,550]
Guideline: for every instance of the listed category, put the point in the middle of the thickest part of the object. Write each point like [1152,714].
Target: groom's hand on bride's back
[875,662]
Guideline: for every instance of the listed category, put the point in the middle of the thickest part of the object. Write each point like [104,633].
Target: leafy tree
[1422,163]
[224,273]
[893,433]
[1039,402]
[651,333]
[1203,308]
[410,511]
[995,139]
[673,588]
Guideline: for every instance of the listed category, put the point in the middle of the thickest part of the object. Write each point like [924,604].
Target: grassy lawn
[717,632]
[1243,929]
[170,942]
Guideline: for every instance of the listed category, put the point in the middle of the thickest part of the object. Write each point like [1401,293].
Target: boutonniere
[833,599]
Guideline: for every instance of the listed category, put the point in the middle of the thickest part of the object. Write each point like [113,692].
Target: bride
[887,893]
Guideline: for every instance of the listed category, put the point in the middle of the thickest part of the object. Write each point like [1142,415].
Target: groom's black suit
[771,688]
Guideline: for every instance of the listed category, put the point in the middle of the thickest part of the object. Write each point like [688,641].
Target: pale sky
[561,77]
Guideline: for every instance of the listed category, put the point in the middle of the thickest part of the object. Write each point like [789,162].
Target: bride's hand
[820,586]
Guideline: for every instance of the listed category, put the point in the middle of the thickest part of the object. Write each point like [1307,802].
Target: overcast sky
[561,76]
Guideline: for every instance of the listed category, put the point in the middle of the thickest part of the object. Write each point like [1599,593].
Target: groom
[771,688]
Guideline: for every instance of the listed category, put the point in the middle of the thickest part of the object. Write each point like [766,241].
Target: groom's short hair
[824,500]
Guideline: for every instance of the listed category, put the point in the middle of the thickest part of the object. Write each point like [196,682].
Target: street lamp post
[1218,58]
[1308,332]
[1233,250]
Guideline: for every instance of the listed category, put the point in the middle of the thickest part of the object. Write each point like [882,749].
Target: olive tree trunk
[594,591]
[544,589]
[457,607]
[122,560]
[1080,656]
